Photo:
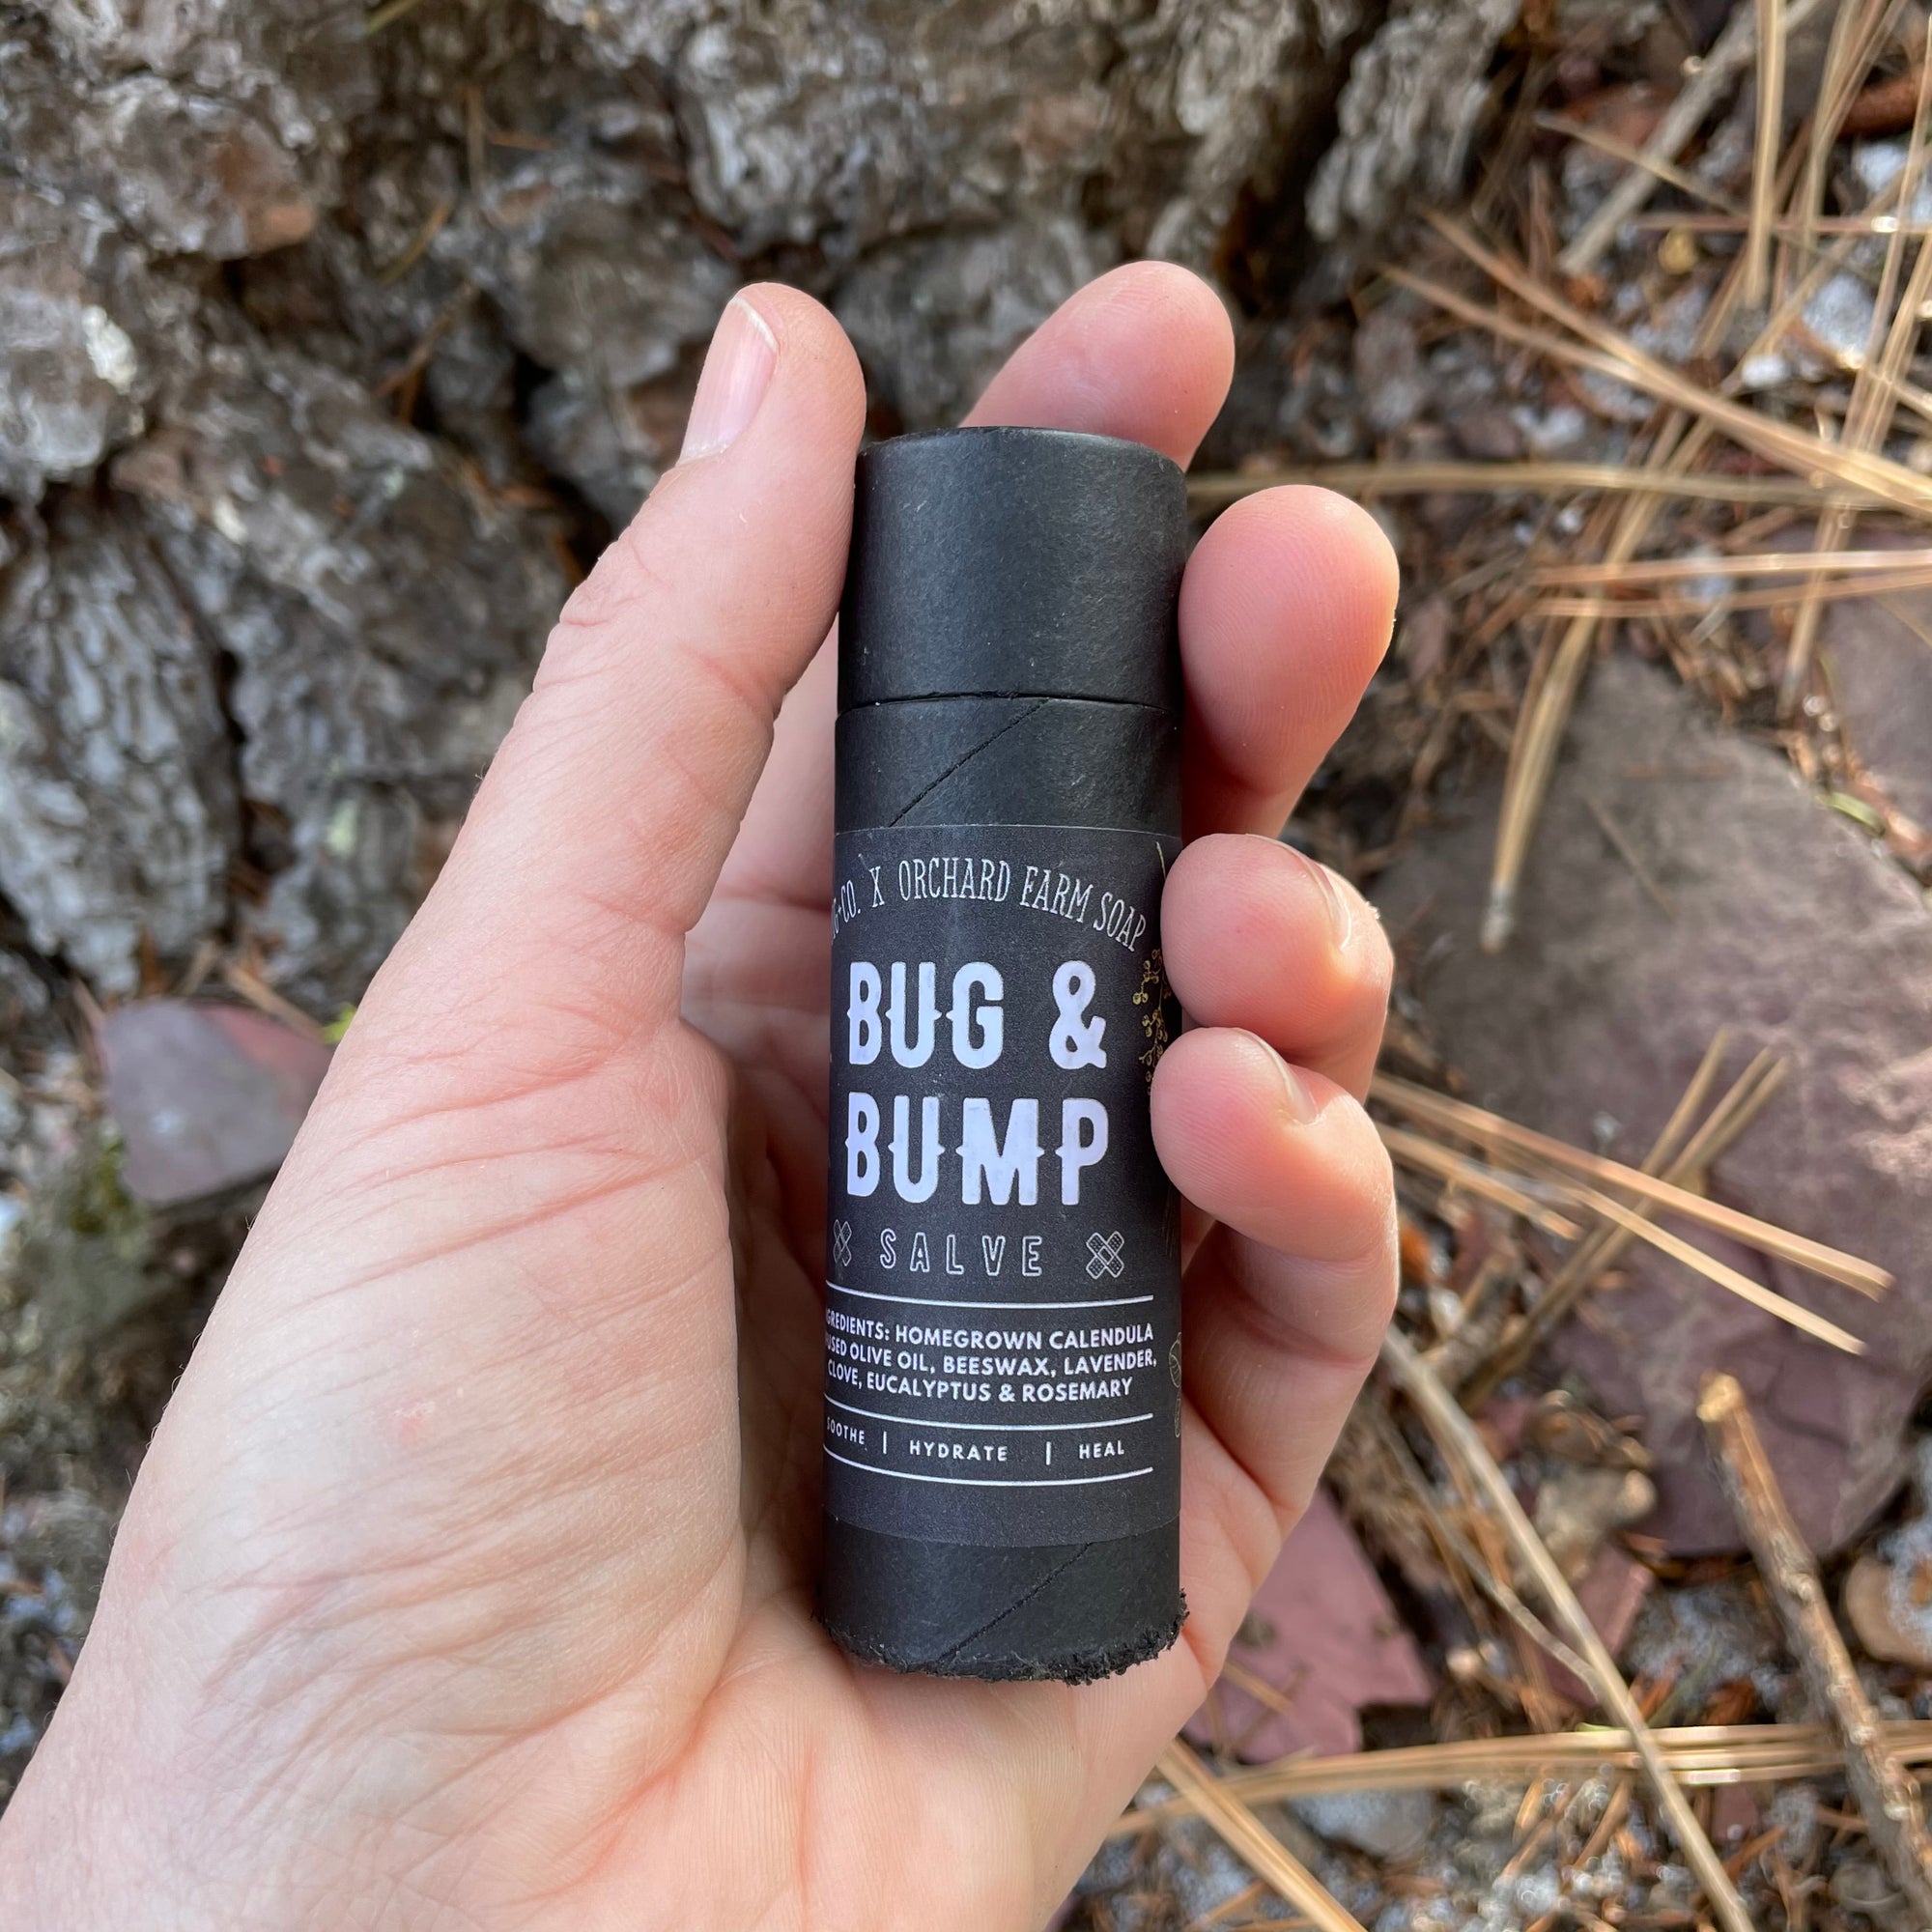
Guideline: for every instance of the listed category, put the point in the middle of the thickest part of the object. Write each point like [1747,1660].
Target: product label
[1003,1309]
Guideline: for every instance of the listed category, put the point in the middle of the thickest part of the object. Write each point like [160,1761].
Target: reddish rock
[1611,1593]
[1502,1423]
[1736,1816]
[1880,660]
[1322,1632]
[1758,909]
[205,1097]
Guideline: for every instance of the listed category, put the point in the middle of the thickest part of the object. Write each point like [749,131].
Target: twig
[1886,106]
[1477,1124]
[1877,1780]
[1250,1840]
[1704,1756]
[1457,1435]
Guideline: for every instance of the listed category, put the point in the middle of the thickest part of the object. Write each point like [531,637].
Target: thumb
[599,833]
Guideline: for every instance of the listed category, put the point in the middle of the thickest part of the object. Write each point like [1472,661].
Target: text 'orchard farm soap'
[1001,1305]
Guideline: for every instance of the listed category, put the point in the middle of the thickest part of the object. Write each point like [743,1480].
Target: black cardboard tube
[1008,693]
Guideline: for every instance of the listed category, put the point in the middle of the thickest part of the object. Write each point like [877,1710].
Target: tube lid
[1013,563]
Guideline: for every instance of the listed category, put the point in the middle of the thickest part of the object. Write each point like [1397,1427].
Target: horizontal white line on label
[992,1482]
[919,1422]
[915,1301]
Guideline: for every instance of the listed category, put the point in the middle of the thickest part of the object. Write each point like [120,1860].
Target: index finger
[1285,610]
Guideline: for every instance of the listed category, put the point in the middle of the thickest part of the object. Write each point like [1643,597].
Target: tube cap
[1013,563]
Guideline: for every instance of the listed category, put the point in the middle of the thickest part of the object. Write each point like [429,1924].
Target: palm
[469,1576]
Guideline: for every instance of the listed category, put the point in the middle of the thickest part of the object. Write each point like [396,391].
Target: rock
[1784,924]
[1384,1824]
[1736,1816]
[117,796]
[205,1097]
[1562,430]
[1612,1590]
[1423,639]
[1887,1597]
[1838,318]
[1577,1509]
[1322,1632]
[1880,656]
[1488,433]
[1388,370]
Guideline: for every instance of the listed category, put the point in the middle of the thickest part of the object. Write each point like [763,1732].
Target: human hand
[468,1579]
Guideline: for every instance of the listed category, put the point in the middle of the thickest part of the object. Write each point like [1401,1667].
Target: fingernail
[737,371]
[1297,1102]
[1341,913]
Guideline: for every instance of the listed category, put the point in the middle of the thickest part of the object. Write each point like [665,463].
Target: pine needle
[1703,1756]
[1251,1841]
[1457,1438]
[1461,1119]
[1769,130]
[1215,489]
